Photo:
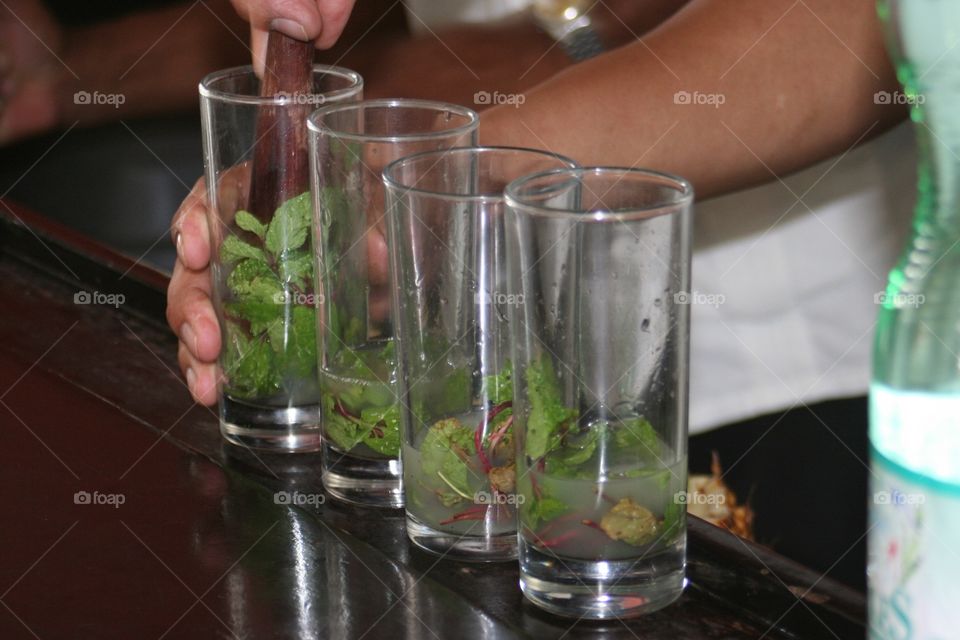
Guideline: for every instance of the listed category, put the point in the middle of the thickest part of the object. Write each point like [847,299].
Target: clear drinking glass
[601,258]
[350,146]
[262,258]
[446,236]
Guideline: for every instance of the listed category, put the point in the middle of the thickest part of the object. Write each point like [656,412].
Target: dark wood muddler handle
[280,163]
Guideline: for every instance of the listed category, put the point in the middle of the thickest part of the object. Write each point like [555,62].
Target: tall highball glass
[350,146]
[262,258]
[601,259]
[451,307]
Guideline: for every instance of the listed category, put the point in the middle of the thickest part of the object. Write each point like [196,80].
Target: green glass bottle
[914,537]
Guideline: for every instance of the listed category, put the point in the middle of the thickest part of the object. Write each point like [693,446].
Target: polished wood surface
[189,540]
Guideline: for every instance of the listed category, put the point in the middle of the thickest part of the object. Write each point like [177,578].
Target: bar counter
[126,516]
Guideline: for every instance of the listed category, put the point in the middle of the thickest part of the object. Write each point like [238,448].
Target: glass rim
[207,91]
[390,180]
[317,127]
[681,204]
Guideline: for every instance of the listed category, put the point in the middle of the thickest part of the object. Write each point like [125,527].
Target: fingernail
[191,378]
[289,27]
[178,241]
[189,337]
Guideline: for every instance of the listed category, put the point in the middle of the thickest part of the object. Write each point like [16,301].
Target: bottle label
[913,565]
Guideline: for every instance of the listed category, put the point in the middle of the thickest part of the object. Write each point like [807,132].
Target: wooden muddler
[280,163]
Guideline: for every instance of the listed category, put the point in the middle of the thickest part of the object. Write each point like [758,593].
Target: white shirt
[786,302]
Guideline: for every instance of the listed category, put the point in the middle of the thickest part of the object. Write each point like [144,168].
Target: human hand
[30,72]
[317,21]
[189,307]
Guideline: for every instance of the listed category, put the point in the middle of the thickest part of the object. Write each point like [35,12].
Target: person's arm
[507,58]
[152,58]
[796,82]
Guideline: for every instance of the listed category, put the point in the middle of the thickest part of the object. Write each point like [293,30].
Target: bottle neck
[922,42]
[937,124]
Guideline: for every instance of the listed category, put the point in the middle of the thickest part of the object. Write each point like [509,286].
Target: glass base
[283,429]
[462,546]
[587,589]
[367,482]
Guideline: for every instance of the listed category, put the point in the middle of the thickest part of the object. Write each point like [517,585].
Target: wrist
[572,25]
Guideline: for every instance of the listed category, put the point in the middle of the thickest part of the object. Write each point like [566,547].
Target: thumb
[298,19]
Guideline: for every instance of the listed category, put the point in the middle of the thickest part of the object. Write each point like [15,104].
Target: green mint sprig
[556,446]
[270,327]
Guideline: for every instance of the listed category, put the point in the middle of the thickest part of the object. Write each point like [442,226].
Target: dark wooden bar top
[126,516]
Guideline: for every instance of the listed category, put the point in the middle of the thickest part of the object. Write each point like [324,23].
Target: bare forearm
[152,59]
[507,58]
[780,85]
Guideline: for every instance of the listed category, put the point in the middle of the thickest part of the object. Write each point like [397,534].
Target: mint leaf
[549,508]
[384,435]
[547,412]
[296,268]
[673,520]
[234,249]
[543,509]
[248,365]
[345,433]
[377,395]
[499,387]
[254,280]
[281,341]
[378,428]
[260,315]
[248,222]
[573,451]
[637,436]
[295,342]
[445,455]
[289,226]
[450,394]
[373,366]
